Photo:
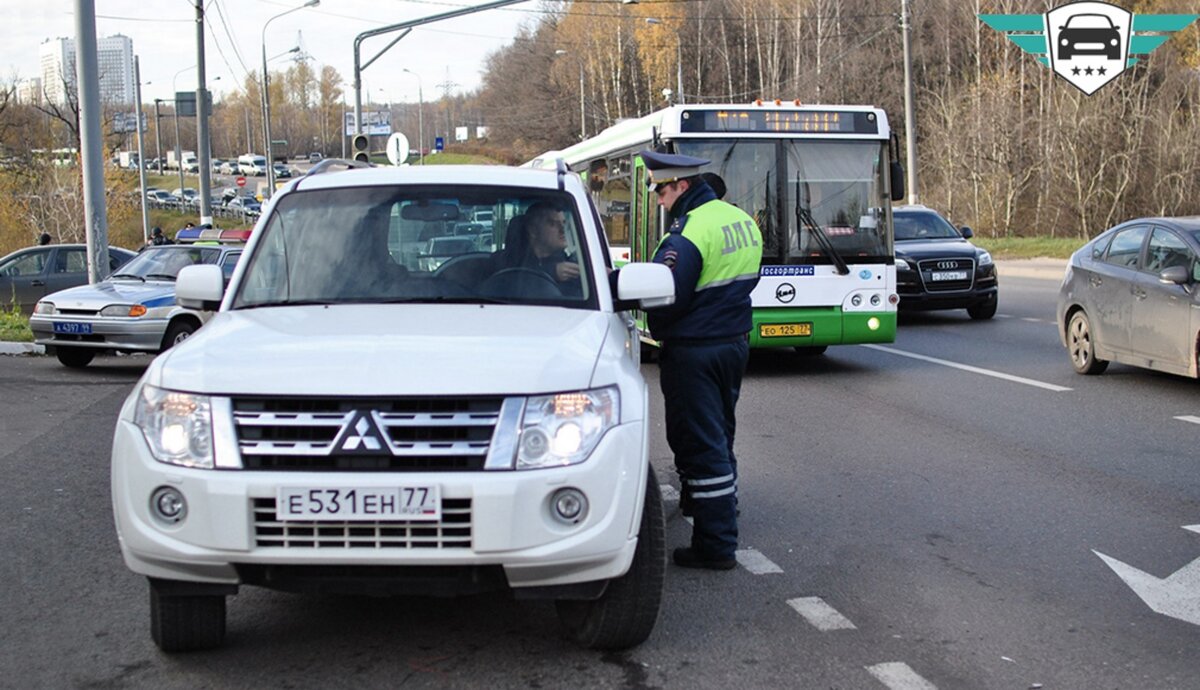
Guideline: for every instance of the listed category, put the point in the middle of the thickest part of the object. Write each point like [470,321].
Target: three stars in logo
[1099,70]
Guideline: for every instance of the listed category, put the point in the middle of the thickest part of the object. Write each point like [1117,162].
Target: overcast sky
[164,37]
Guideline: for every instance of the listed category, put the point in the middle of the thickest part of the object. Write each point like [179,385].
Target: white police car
[134,309]
[393,426]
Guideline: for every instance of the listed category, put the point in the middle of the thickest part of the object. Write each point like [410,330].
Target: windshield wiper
[164,276]
[128,275]
[804,217]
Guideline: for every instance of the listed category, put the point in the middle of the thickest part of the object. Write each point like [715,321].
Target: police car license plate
[784,330]
[358,503]
[72,328]
[948,275]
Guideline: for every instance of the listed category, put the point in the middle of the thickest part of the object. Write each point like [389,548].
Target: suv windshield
[922,225]
[389,244]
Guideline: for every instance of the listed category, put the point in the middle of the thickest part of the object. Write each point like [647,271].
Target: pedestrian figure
[714,251]
[157,237]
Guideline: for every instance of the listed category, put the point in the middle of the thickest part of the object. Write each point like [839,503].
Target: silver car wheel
[1080,347]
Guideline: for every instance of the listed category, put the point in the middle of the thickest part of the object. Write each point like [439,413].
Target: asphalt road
[944,497]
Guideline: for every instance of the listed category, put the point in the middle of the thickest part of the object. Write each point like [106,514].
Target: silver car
[134,310]
[1132,295]
[29,274]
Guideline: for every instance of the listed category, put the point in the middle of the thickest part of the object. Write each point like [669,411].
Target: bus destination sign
[779,121]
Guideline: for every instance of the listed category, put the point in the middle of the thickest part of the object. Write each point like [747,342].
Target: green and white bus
[819,180]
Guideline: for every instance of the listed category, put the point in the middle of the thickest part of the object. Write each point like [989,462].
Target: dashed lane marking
[1189,418]
[897,675]
[756,563]
[821,615]
[973,370]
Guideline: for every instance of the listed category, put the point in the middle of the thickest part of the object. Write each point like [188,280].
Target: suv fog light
[168,505]
[569,506]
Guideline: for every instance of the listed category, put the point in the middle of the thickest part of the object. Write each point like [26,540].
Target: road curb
[21,349]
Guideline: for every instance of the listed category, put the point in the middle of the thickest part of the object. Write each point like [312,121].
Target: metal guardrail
[217,210]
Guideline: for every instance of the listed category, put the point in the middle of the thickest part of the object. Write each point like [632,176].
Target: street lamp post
[178,148]
[158,134]
[420,114]
[266,97]
[678,57]
[582,116]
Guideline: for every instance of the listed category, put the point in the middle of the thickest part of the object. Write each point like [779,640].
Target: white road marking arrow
[1177,595]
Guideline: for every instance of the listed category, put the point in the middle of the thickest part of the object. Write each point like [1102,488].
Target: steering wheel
[520,282]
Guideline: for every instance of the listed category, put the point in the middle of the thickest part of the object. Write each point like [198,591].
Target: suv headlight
[178,426]
[564,428]
[985,257]
[902,265]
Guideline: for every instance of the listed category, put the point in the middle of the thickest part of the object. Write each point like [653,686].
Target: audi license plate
[357,503]
[947,275]
[784,330]
[72,328]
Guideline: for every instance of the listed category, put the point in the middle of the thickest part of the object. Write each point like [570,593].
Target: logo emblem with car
[785,292]
[361,435]
[1088,43]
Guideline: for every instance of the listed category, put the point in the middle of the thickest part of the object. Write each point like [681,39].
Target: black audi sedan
[937,268]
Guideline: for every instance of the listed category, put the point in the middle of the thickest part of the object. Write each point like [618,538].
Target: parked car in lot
[938,268]
[134,310]
[1132,295]
[314,157]
[282,170]
[29,274]
[334,428]
[244,204]
[161,196]
[228,168]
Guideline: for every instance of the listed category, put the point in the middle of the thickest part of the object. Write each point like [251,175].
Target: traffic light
[362,146]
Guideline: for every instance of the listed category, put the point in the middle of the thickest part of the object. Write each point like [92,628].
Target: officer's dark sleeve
[683,258]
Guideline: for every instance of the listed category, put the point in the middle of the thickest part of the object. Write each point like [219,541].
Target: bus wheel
[812,351]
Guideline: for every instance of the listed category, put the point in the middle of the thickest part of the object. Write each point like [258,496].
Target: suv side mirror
[645,286]
[967,233]
[200,287]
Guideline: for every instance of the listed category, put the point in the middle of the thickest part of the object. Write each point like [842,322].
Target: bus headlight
[563,429]
[177,426]
[856,300]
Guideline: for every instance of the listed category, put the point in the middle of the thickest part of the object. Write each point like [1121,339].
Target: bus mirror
[897,180]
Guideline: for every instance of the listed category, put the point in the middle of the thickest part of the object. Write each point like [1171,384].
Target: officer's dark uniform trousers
[714,251]
[703,381]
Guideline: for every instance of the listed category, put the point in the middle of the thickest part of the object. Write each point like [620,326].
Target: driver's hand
[565,270]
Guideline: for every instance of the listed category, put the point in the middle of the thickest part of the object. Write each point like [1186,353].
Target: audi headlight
[178,426]
[902,265]
[985,258]
[563,429]
[45,309]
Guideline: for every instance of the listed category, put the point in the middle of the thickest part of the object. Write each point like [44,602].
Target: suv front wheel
[625,614]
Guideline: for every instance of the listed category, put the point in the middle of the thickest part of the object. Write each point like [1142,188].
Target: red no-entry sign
[241,181]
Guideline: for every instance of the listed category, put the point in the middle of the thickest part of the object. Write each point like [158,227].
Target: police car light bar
[211,235]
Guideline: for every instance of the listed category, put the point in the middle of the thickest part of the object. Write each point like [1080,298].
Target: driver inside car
[541,245]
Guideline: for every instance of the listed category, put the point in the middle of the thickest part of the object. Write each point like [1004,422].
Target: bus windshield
[839,182]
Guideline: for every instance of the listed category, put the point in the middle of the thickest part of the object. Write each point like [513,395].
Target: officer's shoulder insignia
[677,226]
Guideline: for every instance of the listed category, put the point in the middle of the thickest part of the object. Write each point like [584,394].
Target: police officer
[714,251]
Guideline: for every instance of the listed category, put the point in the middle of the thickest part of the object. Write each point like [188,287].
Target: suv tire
[625,614]
[981,311]
[186,622]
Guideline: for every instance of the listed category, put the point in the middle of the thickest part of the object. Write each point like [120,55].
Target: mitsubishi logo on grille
[362,435]
[943,265]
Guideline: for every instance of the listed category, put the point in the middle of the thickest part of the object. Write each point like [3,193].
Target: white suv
[357,420]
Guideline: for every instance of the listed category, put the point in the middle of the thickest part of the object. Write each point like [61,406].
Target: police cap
[668,167]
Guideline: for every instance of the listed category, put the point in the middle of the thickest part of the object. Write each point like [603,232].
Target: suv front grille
[452,532]
[929,267]
[406,434]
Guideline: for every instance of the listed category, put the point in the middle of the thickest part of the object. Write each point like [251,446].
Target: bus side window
[612,180]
